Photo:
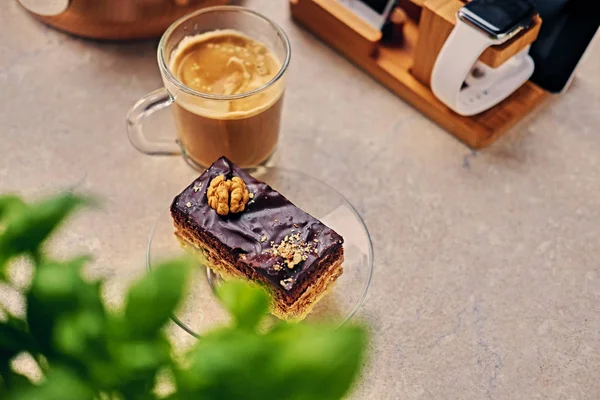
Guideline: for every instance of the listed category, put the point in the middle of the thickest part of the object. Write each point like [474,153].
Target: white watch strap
[454,62]
[453,66]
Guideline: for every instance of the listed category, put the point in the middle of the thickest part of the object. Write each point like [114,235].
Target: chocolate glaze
[268,214]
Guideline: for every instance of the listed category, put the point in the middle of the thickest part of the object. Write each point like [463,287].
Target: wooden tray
[405,68]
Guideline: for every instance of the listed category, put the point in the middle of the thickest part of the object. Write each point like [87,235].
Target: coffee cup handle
[146,106]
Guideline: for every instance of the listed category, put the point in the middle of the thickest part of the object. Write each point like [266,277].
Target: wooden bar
[393,66]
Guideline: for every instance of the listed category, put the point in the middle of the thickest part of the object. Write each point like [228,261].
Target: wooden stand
[405,68]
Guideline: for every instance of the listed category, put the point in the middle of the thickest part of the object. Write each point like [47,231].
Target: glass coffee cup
[223,70]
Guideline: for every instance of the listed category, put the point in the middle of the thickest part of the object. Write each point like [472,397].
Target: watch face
[498,17]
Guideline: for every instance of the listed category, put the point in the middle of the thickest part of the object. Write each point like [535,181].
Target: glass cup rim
[164,69]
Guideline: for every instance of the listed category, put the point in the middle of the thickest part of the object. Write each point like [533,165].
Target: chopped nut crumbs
[251,195]
[296,226]
[197,187]
[287,283]
[292,249]
[263,239]
[188,204]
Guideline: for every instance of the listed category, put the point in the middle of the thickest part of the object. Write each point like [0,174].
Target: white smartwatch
[469,87]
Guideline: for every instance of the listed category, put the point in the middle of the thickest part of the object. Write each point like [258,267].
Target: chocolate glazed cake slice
[245,229]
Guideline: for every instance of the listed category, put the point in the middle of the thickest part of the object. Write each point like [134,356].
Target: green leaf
[247,303]
[227,364]
[78,334]
[13,381]
[14,338]
[58,290]
[138,363]
[141,392]
[141,358]
[60,384]
[41,323]
[10,204]
[66,316]
[3,389]
[26,227]
[293,362]
[152,300]
[327,359]
[59,282]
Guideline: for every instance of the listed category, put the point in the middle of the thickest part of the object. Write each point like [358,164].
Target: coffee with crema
[225,63]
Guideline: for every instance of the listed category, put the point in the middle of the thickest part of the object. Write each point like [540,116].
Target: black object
[568,28]
[377,5]
[499,17]
[387,30]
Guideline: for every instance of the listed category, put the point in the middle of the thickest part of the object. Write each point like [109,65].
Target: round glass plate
[201,311]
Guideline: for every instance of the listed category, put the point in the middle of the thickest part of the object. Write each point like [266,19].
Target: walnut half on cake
[245,229]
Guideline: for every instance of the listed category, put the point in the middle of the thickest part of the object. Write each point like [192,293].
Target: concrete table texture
[487,273]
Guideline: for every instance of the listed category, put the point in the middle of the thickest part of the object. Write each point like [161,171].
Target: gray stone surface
[487,280]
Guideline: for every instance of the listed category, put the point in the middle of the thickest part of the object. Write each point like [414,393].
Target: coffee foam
[229,63]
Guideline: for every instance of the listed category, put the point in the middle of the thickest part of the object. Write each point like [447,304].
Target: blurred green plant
[86,351]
